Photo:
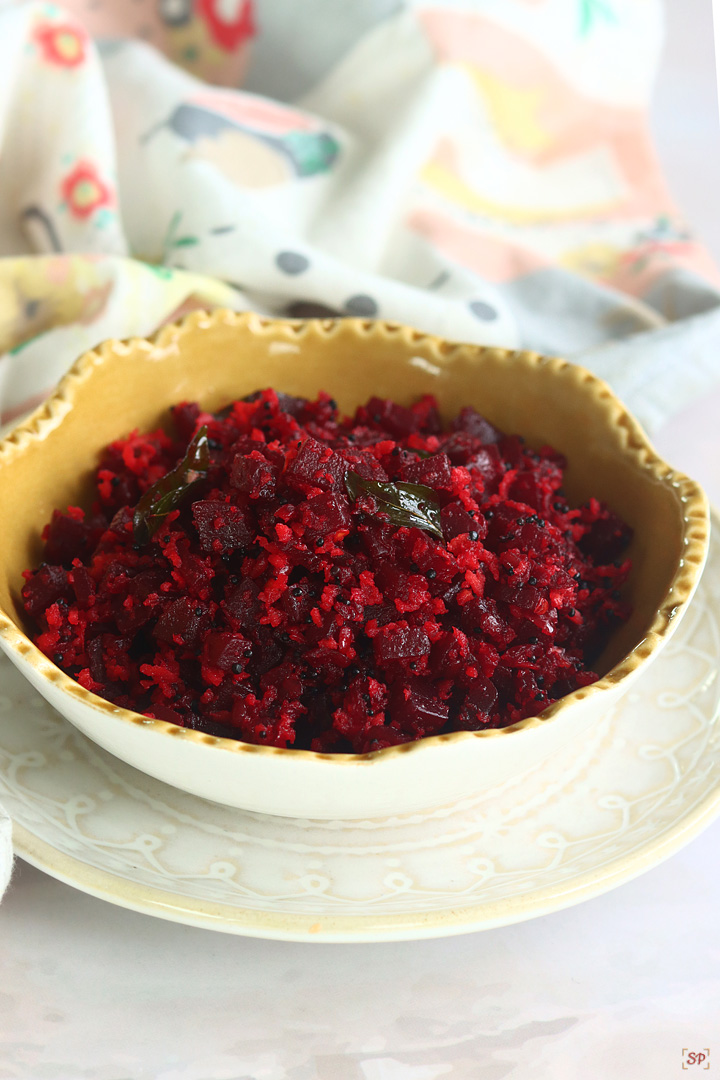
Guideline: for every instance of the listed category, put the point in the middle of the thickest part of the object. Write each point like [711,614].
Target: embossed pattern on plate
[597,814]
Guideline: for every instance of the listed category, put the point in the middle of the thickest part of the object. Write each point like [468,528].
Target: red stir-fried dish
[280,575]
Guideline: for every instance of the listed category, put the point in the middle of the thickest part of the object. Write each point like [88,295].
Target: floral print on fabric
[481,171]
[84,191]
[230,24]
[61,43]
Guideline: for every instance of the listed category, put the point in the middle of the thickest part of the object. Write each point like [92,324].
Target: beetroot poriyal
[275,574]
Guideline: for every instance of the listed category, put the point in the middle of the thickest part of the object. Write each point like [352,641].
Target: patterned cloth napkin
[479,169]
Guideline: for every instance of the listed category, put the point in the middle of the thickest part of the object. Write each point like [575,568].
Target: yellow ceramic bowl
[48,462]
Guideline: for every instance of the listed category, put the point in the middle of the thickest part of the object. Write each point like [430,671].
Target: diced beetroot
[83,585]
[377,537]
[225,650]
[296,601]
[316,466]
[280,606]
[254,475]
[537,487]
[433,472]
[71,536]
[329,663]
[165,712]
[95,654]
[400,643]
[184,622]
[293,406]
[363,707]
[380,737]
[241,604]
[247,446]
[416,708]
[246,715]
[283,681]
[324,515]
[145,583]
[450,654]
[526,597]
[366,465]
[267,651]
[43,588]
[116,490]
[474,424]
[481,613]
[119,531]
[221,526]
[395,419]
[456,520]
[606,538]
[185,417]
[487,464]
[425,409]
[477,709]
[512,449]
[191,572]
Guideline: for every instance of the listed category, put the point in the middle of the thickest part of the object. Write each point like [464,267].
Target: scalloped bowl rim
[695,523]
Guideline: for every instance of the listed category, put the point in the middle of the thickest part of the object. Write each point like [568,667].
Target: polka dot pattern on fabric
[482,310]
[292,262]
[309,309]
[361,305]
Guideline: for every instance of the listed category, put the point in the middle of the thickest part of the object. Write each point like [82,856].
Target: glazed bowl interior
[214,359]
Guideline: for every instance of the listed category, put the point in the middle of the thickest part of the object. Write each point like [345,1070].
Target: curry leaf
[412,505]
[170,491]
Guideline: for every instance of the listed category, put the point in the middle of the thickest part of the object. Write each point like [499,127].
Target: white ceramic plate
[599,813]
